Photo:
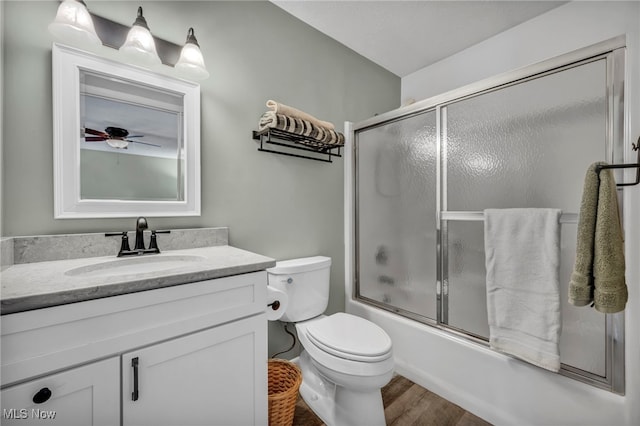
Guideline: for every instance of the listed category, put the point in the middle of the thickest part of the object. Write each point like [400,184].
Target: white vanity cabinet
[202,379]
[201,352]
[87,395]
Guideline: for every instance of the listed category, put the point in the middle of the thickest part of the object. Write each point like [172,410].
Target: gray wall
[274,205]
[107,175]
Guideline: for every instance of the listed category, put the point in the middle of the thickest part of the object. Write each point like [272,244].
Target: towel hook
[635,147]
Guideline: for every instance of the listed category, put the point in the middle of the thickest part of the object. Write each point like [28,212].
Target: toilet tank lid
[305,264]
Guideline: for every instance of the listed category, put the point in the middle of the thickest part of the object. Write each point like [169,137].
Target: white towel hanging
[522,256]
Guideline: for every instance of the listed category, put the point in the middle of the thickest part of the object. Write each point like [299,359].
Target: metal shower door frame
[613,51]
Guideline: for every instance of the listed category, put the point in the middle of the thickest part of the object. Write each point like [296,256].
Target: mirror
[126,140]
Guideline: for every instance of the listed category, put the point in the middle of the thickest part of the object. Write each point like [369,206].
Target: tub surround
[35,269]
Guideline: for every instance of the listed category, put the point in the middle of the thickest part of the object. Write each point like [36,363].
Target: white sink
[135,265]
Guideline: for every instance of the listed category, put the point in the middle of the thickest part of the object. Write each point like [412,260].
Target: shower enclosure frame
[613,51]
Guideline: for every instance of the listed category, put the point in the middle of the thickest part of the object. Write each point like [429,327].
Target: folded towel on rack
[283,109]
[599,269]
[522,258]
[300,127]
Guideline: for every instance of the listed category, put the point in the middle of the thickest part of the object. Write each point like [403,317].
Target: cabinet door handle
[42,395]
[134,364]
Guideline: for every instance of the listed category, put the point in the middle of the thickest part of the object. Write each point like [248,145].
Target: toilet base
[336,405]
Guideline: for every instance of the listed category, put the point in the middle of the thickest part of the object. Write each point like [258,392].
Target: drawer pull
[134,364]
[42,395]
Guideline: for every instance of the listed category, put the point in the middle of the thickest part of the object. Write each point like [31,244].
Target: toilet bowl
[347,374]
[346,359]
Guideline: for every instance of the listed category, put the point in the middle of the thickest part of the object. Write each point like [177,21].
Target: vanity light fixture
[191,62]
[73,24]
[139,45]
[76,26]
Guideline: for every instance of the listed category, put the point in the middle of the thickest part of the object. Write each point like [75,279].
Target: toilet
[346,359]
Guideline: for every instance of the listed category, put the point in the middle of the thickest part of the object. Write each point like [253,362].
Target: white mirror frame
[67,64]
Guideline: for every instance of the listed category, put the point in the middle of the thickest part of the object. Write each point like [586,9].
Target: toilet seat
[350,337]
[341,363]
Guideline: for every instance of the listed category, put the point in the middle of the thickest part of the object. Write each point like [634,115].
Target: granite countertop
[44,284]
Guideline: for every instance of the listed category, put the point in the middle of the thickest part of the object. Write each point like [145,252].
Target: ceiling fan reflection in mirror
[115,137]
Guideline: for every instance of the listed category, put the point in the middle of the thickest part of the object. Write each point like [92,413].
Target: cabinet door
[213,377]
[83,396]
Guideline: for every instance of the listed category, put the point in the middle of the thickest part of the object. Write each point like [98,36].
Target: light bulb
[139,45]
[73,24]
[191,62]
[117,143]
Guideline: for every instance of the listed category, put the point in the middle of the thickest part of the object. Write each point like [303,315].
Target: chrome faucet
[139,248]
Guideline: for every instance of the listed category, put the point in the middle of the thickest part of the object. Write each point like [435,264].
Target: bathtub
[495,387]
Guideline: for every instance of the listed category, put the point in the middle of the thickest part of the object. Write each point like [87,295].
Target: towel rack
[477,216]
[636,147]
[291,140]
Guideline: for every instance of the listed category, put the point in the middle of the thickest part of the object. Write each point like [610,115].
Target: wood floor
[406,403]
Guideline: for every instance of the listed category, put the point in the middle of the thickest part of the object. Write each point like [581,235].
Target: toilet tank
[306,282]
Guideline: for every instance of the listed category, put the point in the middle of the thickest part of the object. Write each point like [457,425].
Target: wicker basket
[284,381]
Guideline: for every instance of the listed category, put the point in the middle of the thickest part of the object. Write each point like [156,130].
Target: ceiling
[404,36]
[151,116]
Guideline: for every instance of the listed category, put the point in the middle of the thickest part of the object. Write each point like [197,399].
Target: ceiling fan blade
[95,132]
[144,143]
[94,139]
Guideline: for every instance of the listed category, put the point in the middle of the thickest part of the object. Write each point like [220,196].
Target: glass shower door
[396,231]
[526,145]
[424,176]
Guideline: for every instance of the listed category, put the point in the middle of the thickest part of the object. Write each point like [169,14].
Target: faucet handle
[153,244]
[124,246]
